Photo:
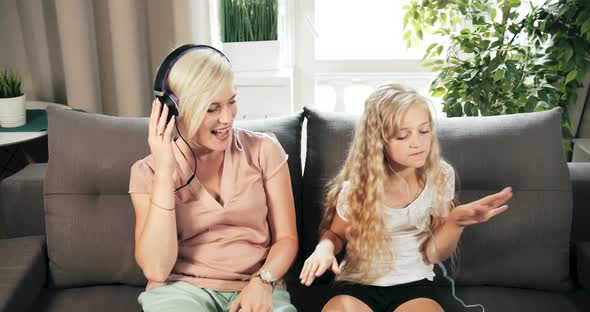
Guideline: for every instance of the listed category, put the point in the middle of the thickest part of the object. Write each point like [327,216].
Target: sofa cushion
[23,271]
[582,251]
[527,246]
[88,212]
[115,298]
[580,178]
[507,299]
[21,202]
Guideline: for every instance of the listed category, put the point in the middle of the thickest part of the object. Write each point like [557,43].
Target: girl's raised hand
[481,210]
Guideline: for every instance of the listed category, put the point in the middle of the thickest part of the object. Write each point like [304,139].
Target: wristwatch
[266,277]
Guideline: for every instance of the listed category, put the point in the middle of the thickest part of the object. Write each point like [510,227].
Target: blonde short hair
[196,78]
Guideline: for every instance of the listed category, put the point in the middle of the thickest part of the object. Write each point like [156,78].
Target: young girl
[392,206]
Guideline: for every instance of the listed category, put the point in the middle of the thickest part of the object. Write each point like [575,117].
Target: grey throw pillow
[89,216]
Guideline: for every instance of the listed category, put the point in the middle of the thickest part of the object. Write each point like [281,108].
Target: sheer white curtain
[96,55]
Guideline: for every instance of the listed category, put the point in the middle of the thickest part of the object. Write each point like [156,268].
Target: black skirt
[386,298]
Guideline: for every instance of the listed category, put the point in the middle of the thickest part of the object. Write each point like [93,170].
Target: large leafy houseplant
[248,20]
[503,56]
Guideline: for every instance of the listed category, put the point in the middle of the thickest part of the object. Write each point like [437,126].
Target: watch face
[266,275]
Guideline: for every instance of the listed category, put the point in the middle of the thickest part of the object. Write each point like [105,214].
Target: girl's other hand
[481,210]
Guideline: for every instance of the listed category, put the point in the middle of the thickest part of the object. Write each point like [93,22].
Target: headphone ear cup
[171,101]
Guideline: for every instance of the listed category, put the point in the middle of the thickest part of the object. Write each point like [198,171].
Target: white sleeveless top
[408,229]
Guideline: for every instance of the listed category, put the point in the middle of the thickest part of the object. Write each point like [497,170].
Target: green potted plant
[496,57]
[12,100]
[249,32]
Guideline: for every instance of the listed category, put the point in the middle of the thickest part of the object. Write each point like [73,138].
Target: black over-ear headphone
[166,97]
[161,90]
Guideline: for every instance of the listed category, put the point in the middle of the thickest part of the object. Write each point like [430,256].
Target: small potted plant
[12,100]
[249,32]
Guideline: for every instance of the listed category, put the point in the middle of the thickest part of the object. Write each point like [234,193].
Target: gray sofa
[69,223]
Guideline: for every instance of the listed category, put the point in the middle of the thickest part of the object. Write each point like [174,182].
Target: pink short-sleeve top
[221,244]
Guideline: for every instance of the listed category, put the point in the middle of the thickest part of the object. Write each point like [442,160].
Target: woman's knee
[345,303]
[170,297]
[419,305]
[281,301]
[174,304]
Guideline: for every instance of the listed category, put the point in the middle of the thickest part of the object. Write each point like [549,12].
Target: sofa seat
[508,299]
[89,299]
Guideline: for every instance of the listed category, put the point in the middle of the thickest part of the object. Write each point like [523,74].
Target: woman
[215,218]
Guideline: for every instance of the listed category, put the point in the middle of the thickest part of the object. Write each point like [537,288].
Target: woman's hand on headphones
[160,139]
[481,210]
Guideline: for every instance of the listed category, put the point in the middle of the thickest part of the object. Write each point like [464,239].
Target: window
[369,29]
[346,48]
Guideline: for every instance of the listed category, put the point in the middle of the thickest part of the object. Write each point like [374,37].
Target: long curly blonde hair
[365,168]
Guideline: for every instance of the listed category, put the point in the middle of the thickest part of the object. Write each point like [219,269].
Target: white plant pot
[13,112]
[253,55]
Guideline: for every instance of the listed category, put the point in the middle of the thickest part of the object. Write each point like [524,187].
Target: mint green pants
[184,297]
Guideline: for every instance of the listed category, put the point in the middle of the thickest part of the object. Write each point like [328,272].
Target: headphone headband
[164,69]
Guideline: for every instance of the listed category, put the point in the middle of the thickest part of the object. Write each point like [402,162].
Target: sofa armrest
[583,264]
[580,178]
[21,202]
[23,272]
